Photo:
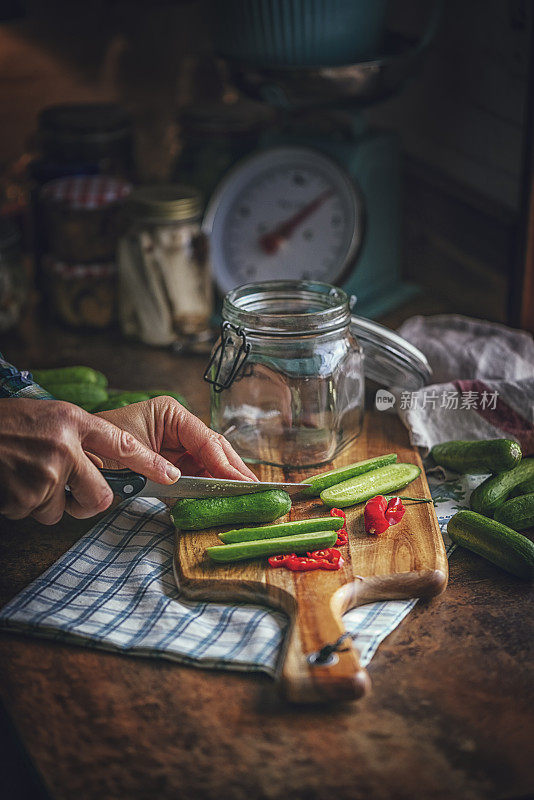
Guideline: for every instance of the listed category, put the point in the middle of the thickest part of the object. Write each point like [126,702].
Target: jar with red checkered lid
[80,216]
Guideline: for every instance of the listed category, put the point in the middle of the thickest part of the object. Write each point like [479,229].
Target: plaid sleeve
[14,383]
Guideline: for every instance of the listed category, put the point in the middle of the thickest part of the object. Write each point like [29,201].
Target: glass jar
[80,216]
[92,138]
[214,136]
[13,277]
[165,291]
[287,374]
[82,295]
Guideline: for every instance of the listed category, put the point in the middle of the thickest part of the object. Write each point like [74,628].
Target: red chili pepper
[374,515]
[278,561]
[395,511]
[328,559]
[342,534]
[302,564]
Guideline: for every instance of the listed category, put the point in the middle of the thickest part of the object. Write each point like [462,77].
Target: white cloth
[483,386]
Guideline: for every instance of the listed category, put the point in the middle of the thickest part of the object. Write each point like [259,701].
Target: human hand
[46,445]
[166,427]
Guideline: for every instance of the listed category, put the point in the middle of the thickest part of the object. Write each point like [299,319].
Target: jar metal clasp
[226,367]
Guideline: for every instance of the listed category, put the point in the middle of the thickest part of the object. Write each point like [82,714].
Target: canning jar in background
[13,277]
[165,290]
[83,139]
[287,374]
[81,223]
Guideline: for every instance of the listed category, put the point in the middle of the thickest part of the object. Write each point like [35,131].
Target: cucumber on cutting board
[327,479]
[494,541]
[210,512]
[517,513]
[361,488]
[282,529]
[477,457]
[492,493]
[302,543]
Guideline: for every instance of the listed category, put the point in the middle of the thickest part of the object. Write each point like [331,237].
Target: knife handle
[124,482]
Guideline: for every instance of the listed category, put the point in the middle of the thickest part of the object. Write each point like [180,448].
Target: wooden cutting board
[408,560]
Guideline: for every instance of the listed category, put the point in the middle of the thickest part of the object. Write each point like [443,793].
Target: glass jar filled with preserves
[165,290]
[287,375]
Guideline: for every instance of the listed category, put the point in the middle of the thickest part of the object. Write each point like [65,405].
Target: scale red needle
[270,242]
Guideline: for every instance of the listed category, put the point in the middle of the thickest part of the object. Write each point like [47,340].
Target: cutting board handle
[305,679]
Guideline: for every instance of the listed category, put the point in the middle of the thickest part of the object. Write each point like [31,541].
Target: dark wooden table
[450,714]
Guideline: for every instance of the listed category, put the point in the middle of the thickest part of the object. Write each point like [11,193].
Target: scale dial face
[287,213]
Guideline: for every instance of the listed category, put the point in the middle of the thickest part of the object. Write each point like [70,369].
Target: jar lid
[9,233]
[86,191]
[389,359]
[165,203]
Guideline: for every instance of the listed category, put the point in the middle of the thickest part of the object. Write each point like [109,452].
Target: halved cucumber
[302,543]
[380,481]
[281,529]
[327,479]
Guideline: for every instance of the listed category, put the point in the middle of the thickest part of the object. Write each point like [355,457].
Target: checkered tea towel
[115,590]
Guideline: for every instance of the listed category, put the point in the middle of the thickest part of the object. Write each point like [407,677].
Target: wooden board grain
[408,560]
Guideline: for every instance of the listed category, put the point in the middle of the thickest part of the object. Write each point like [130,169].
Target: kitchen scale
[321,206]
[320,198]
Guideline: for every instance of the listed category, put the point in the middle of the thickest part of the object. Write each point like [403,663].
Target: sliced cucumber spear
[361,488]
[303,543]
[281,529]
[327,479]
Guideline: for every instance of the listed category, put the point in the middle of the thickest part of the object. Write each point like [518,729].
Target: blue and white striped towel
[115,590]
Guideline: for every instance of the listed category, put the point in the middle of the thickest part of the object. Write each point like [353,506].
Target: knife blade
[126,484]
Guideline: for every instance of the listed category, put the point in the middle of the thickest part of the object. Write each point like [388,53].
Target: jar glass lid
[389,359]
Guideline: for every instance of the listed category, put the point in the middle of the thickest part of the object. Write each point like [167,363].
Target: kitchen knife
[126,484]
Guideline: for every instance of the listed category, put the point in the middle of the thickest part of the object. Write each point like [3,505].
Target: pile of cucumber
[502,506]
[341,487]
[88,388]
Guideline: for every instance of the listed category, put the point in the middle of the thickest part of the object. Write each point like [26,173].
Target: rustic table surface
[450,714]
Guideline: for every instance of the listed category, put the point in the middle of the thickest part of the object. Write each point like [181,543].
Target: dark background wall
[461,119]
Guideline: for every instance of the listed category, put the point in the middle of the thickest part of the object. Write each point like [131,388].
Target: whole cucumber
[517,513]
[181,399]
[494,541]
[281,529]
[210,512]
[333,476]
[121,400]
[492,493]
[302,543]
[361,488]
[477,457]
[526,487]
[46,377]
[87,395]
